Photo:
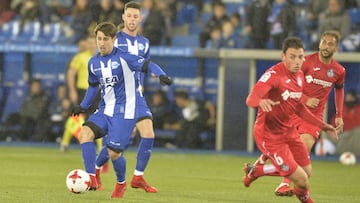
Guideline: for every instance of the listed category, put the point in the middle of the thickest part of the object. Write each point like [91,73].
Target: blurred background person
[239,30]
[161,108]
[282,22]
[313,10]
[101,12]
[217,18]
[349,141]
[153,24]
[30,11]
[197,116]
[6,13]
[56,10]
[34,113]
[59,109]
[80,20]
[215,37]
[256,26]
[229,38]
[351,111]
[334,18]
[76,77]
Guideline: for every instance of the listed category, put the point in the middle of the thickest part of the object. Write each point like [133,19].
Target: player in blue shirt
[113,70]
[130,41]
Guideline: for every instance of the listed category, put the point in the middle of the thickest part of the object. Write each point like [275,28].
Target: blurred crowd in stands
[260,24]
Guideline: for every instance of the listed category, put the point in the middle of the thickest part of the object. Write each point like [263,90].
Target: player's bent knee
[300,178]
[308,170]
[114,154]
[86,135]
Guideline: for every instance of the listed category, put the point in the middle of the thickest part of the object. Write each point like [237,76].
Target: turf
[37,174]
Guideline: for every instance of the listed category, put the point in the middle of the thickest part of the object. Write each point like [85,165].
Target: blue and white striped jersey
[115,74]
[138,45]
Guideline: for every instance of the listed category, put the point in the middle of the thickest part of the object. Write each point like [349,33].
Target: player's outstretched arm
[331,131]
[255,98]
[339,105]
[306,115]
[89,97]
[153,68]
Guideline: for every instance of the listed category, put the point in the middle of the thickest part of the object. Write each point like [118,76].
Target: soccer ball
[78,181]
[347,158]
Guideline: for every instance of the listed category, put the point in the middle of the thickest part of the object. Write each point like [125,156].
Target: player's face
[293,59]
[132,19]
[328,46]
[104,43]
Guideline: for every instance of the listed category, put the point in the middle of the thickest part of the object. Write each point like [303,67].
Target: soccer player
[321,73]
[130,41]
[278,95]
[112,70]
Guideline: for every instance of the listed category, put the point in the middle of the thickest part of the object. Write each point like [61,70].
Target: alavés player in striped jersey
[113,70]
[128,40]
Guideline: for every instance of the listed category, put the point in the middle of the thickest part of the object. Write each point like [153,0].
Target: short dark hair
[292,42]
[334,33]
[218,3]
[132,4]
[181,94]
[35,80]
[108,28]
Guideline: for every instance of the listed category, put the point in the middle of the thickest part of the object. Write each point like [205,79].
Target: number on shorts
[278,159]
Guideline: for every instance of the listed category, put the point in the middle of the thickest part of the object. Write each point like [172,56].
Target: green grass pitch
[37,174]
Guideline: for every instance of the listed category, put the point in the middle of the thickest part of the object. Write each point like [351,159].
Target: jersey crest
[330,73]
[115,65]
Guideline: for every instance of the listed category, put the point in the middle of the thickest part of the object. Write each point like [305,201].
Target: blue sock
[120,168]
[144,153]
[103,157]
[88,150]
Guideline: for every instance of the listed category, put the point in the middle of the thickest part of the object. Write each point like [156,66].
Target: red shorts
[285,151]
[304,127]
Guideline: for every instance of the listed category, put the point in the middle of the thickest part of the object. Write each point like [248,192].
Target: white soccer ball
[78,181]
[347,158]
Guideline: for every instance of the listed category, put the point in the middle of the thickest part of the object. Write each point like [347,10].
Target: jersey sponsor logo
[114,65]
[310,79]
[292,95]
[316,69]
[287,81]
[109,81]
[265,77]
